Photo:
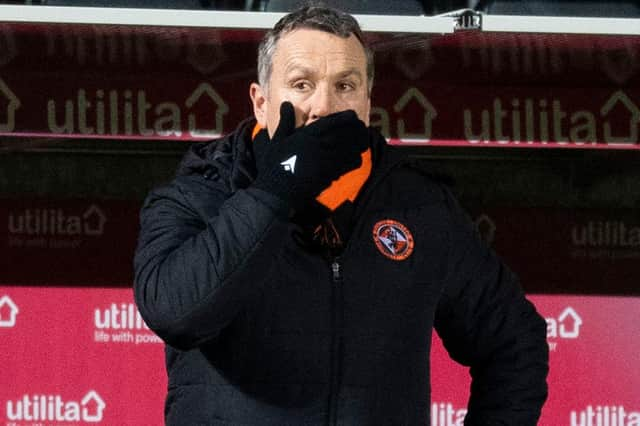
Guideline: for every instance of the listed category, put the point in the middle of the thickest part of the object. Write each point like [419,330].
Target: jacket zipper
[337,297]
[336,340]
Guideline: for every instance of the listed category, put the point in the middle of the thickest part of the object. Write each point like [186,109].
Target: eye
[301,85]
[345,86]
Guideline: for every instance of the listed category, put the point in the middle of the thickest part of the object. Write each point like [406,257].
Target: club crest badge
[393,239]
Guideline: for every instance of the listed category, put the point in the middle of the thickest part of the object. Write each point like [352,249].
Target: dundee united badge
[393,239]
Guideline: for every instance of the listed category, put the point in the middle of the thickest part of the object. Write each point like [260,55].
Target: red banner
[66,242]
[575,251]
[77,356]
[83,356]
[593,378]
[463,89]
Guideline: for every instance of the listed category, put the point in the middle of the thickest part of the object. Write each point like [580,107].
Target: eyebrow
[351,72]
[298,68]
[304,70]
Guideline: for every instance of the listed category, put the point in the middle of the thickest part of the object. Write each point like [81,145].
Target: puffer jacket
[261,328]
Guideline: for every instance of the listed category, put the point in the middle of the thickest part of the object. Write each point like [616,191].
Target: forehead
[319,49]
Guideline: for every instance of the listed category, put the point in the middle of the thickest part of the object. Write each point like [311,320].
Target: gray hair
[311,17]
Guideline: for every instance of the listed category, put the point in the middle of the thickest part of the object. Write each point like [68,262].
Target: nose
[322,103]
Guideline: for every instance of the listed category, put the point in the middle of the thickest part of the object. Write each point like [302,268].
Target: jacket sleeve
[193,274]
[486,323]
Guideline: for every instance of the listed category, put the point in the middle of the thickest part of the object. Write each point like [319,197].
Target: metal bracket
[468,20]
[465,19]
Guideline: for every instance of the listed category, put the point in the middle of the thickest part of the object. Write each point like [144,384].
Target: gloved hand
[298,164]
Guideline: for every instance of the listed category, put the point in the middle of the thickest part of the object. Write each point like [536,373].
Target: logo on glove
[393,239]
[289,165]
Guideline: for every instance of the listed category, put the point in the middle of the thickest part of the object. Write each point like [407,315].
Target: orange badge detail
[393,239]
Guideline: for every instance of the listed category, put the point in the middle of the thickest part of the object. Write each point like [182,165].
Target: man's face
[319,73]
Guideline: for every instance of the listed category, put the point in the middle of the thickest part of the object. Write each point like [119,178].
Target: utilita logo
[607,415]
[123,317]
[8,312]
[566,326]
[127,322]
[606,234]
[11,103]
[444,414]
[57,222]
[113,112]
[547,120]
[54,408]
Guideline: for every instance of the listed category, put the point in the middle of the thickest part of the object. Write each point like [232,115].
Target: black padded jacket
[263,329]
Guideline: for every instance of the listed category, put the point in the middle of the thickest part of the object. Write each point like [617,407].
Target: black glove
[296,165]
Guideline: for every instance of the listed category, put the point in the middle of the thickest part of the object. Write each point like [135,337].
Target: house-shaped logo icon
[8,48]
[219,106]
[570,323]
[429,113]
[8,312]
[92,407]
[9,102]
[620,98]
[620,64]
[414,60]
[94,220]
[205,54]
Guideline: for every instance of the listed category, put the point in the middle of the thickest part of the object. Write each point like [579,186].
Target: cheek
[273,116]
[362,109]
[364,116]
[272,119]
[301,106]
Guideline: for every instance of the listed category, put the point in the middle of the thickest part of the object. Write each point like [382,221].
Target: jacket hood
[229,157]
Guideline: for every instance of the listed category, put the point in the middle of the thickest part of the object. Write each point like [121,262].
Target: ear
[259,101]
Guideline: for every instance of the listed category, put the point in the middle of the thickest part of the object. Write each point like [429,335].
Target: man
[296,267]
